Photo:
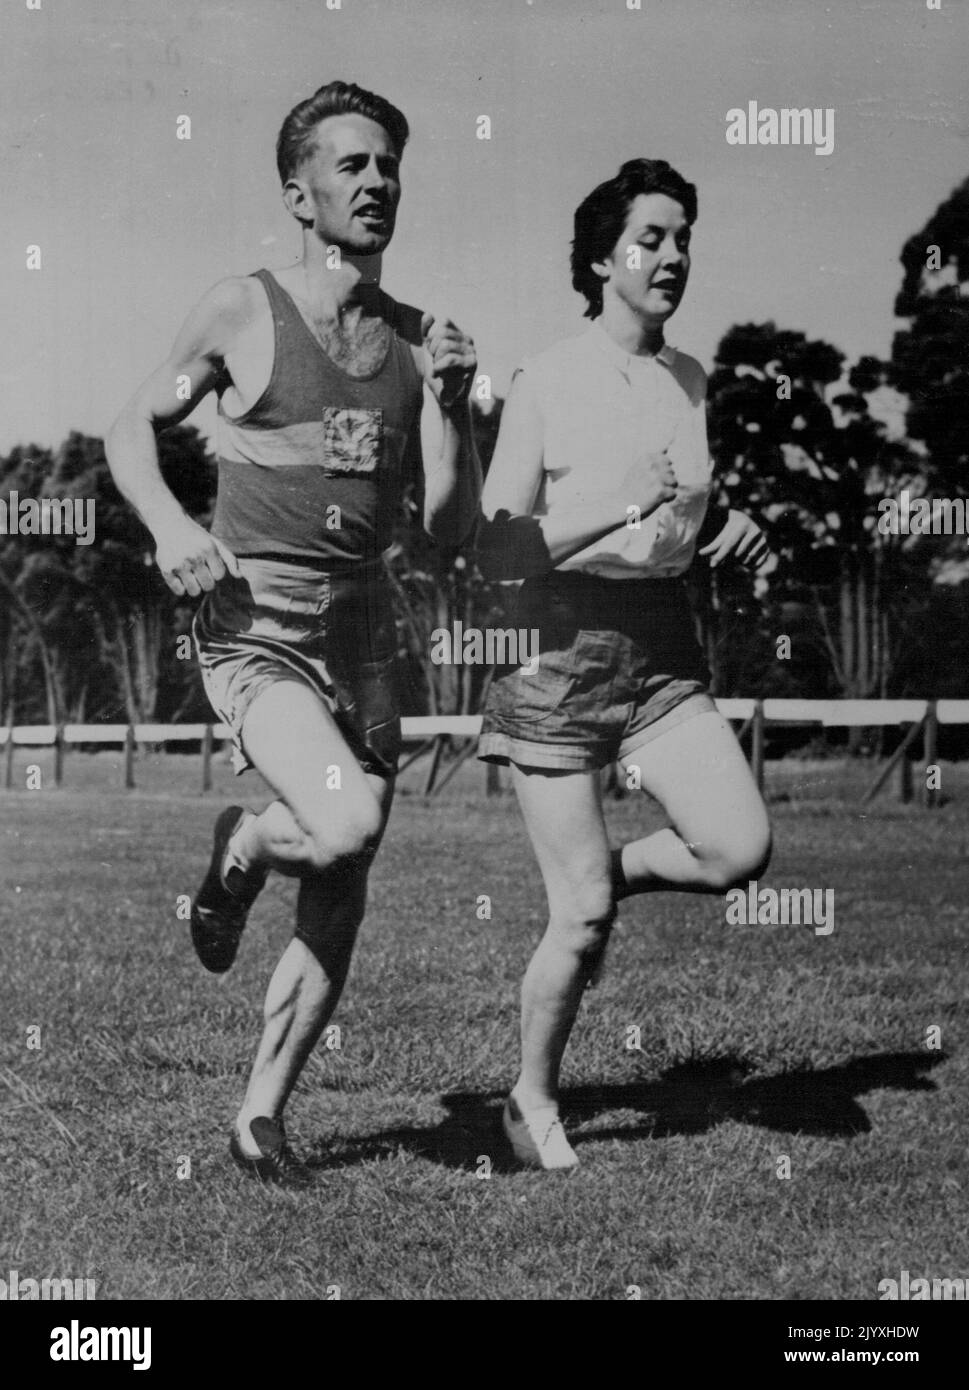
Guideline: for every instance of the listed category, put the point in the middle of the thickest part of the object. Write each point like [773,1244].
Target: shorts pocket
[304,609]
[517,697]
[595,659]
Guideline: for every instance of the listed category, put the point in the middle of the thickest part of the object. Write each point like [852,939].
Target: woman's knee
[582,917]
[738,861]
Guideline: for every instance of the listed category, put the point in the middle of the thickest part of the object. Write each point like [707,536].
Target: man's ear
[296,199]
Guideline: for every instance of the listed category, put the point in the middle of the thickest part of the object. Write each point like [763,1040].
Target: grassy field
[757,1043]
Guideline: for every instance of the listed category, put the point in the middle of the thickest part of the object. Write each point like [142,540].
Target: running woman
[320,377]
[596,496]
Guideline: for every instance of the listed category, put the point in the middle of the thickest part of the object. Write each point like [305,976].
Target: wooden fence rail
[433,732]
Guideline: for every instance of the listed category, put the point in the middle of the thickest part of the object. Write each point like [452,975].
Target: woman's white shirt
[603,409]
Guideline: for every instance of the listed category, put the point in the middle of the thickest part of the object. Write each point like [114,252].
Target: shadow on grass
[689,1098]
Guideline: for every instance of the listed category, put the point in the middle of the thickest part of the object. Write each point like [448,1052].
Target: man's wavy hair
[298,133]
[600,218]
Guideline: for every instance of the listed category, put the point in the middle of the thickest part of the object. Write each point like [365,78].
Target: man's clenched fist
[452,360]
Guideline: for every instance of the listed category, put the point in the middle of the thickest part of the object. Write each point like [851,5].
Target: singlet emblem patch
[351,439]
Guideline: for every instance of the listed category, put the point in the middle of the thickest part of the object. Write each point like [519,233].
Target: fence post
[129,757]
[207,759]
[904,779]
[8,754]
[435,763]
[58,755]
[757,744]
[897,757]
[930,752]
[462,757]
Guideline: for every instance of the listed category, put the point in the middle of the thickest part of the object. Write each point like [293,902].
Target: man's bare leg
[306,985]
[327,807]
[328,834]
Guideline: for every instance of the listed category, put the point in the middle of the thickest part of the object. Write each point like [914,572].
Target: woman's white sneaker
[538,1138]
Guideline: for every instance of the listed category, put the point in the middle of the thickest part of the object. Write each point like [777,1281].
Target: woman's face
[649,264]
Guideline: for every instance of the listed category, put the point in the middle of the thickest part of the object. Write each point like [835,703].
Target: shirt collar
[620,357]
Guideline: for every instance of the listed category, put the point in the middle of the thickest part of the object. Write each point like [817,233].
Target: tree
[930,357]
[98,619]
[811,461]
[930,361]
[25,650]
[133,614]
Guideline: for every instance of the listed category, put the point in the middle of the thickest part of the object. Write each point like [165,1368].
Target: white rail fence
[432,734]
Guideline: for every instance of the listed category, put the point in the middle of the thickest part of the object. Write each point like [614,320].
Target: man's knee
[351,836]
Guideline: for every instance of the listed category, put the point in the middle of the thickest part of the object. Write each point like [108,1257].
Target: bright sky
[134,224]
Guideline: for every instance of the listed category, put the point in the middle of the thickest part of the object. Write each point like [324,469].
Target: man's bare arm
[452,469]
[189,558]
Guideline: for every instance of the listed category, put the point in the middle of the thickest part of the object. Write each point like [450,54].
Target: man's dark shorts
[331,630]
[619,665]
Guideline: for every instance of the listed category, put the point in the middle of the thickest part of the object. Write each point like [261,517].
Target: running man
[320,378]
[596,495]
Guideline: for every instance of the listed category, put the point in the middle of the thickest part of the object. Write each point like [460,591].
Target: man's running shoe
[220,910]
[275,1162]
[538,1139]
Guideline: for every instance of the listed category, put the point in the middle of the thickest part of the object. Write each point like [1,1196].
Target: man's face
[649,265]
[350,185]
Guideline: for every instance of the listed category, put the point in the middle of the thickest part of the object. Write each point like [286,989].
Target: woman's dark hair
[335,99]
[600,218]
